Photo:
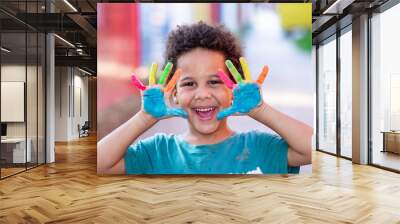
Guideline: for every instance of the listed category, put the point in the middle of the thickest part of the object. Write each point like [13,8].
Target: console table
[391,141]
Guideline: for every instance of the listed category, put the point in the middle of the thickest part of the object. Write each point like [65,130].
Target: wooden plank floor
[69,191]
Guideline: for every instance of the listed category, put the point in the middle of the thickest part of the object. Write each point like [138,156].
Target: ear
[174,98]
[230,95]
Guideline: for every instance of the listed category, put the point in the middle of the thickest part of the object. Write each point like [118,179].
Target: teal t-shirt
[250,152]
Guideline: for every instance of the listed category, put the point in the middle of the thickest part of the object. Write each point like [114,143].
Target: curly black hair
[188,37]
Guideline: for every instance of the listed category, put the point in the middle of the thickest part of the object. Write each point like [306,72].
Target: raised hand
[246,93]
[153,96]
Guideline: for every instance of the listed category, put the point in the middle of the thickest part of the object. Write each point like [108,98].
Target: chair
[84,130]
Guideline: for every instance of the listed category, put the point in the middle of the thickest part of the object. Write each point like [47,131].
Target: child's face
[200,92]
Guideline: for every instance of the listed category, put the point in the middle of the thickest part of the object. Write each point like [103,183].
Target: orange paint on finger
[171,84]
[263,75]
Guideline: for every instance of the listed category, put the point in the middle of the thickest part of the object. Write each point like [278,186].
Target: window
[385,89]
[327,97]
[22,68]
[346,94]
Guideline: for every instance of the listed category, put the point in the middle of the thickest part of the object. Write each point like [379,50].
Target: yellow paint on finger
[152,75]
[245,69]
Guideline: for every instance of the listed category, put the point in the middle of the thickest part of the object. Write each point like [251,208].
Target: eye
[215,82]
[188,84]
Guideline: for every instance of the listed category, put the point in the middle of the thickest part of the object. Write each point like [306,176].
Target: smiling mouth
[205,113]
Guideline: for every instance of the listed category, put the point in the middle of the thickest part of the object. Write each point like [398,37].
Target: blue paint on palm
[154,104]
[246,97]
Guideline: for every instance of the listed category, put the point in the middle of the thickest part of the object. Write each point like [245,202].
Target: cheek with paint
[229,96]
[182,97]
[229,85]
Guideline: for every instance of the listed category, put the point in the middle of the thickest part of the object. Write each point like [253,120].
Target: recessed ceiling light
[338,6]
[84,71]
[71,6]
[5,50]
[64,40]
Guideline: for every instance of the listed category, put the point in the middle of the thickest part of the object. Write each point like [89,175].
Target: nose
[202,92]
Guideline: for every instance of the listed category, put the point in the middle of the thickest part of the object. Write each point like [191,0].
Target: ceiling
[74,21]
[331,15]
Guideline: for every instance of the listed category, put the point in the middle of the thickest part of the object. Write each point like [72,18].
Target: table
[17,150]
[391,141]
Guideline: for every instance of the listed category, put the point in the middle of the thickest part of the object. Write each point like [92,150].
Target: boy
[199,51]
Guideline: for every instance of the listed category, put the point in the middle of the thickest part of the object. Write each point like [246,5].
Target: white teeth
[204,109]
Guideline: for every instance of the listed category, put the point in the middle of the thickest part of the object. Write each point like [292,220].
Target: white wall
[33,126]
[61,103]
[70,83]
[80,83]
[12,73]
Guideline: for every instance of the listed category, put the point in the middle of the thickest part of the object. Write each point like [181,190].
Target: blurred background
[132,36]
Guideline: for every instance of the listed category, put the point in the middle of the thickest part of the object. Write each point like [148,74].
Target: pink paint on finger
[228,82]
[138,83]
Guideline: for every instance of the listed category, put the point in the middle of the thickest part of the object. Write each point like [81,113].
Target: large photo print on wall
[216,88]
